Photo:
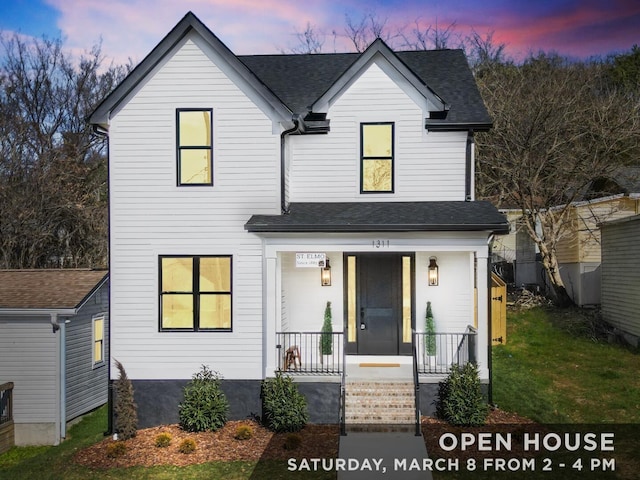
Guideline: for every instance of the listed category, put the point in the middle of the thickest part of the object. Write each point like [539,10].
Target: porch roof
[383,217]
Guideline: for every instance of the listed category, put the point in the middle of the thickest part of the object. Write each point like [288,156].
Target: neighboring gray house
[54,328]
[621,276]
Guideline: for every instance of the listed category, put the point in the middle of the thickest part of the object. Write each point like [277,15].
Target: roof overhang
[438,125]
[359,217]
[189,23]
[377,48]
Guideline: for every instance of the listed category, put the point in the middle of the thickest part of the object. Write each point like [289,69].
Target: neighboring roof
[297,81]
[48,289]
[383,217]
[634,218]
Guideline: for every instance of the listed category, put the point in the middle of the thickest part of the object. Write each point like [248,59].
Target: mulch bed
[317,441]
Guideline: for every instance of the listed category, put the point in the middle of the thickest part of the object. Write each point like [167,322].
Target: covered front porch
[378,300]
[387,261]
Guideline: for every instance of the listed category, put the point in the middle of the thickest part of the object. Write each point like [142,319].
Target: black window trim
[179,148]
[392,158]
[195,285]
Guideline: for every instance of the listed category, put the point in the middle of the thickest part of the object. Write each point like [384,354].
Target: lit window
[376,157]
[195,293]
[98,340]
[195,148]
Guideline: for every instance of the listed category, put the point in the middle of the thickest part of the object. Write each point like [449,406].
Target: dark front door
[379,303]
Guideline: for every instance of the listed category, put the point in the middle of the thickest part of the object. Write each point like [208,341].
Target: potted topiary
[430,338]
[326,337]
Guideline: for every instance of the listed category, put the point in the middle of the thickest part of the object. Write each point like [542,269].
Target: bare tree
[430,37]
[310,40]
[363,31]
[483,51]
[52,167]
[556,128]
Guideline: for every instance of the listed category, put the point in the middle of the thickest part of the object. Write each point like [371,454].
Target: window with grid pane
[376,157]
[195,146]
[195,293]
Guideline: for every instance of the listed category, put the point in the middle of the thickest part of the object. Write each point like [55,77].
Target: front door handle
[362,324]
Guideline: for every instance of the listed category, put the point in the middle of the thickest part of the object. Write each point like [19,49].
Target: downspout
[61,414]
[102,132]
[490,345]
[470,168]
[284,209]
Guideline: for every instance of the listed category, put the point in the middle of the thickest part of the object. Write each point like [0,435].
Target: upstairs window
[195,293]
[195,147]
[376,157]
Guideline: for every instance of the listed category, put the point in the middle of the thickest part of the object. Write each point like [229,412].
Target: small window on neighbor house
[376,157]
[195,146]
[98,340]
[195,293]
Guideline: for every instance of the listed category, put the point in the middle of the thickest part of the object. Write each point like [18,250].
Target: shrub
[460,399]
[126,416]
[163,440]
[430,330]
[326,337]
[205,405]
[292,442]
[284,407]
[188,445]
[116,449]
[243,432]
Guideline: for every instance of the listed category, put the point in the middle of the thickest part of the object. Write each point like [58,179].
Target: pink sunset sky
[131,28]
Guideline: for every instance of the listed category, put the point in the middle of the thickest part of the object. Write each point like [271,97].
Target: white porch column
[271,313]
[483,312]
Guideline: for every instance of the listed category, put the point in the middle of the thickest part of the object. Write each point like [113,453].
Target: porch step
[379,402]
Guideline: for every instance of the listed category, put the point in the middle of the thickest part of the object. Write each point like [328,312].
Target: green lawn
[543,373]
[553,376]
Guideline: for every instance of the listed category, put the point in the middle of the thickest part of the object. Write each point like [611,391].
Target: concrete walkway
[383,455]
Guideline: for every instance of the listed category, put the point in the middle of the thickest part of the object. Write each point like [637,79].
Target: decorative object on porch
[433,272]
[460,399]
[292,358]
[325,274]
[430,338]
[126,415]
[284,408]
[326,338]
[205,405]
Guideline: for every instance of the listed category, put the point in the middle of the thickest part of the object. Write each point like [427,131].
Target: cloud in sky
[131,28]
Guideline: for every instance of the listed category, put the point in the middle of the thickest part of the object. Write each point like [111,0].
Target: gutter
[296,128]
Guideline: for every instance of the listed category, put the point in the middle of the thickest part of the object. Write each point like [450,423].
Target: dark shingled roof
[383,217]
[299,80]
[47,289]
[292,83]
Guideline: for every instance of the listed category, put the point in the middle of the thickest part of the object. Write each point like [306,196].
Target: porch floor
[389,368]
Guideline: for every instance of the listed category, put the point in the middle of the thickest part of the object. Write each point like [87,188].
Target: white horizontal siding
[621,275]
[29,359]
[151,216]
[428,166]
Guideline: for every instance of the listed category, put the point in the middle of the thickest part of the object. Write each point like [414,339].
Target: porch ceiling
[383,217]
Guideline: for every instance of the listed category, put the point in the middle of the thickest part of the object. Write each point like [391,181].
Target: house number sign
[309,260]
[380,243]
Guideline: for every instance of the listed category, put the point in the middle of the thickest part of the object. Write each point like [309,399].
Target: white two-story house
[246,192]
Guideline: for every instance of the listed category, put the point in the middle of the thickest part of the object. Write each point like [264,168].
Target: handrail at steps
[343,390]
[416,381]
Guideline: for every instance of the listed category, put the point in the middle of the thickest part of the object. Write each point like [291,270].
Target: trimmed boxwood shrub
[205,405]
[284,407]
[460,399]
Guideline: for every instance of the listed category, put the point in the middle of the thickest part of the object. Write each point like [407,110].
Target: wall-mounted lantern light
[433,272]
[325,274]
